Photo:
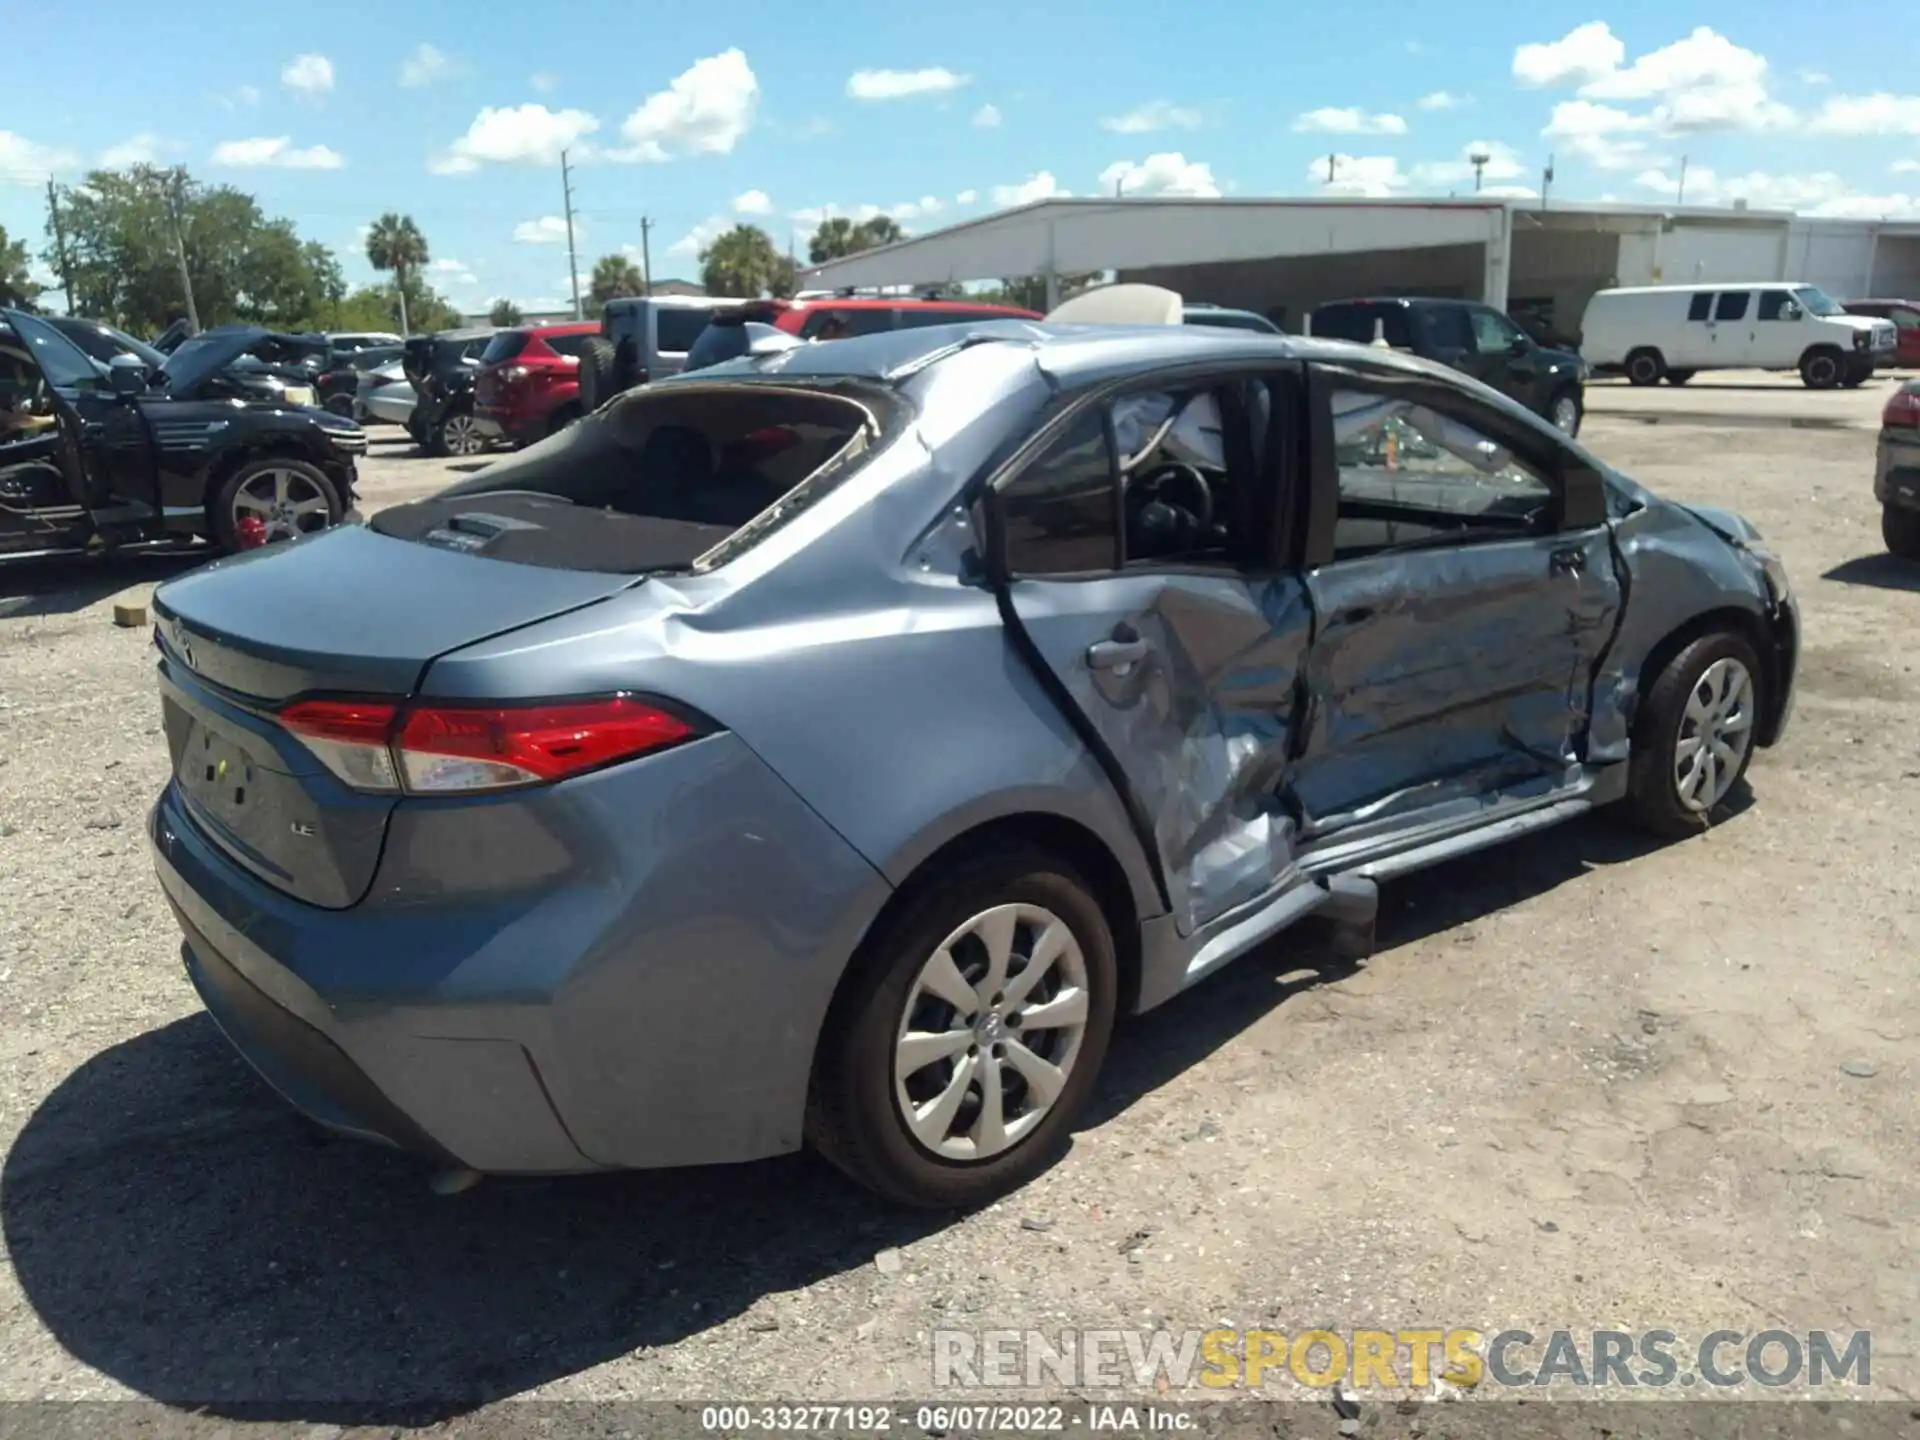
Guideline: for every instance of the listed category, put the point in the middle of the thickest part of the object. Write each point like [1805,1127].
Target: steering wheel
[1180,474]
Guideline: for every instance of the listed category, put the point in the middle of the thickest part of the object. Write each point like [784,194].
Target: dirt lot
[1585,1082]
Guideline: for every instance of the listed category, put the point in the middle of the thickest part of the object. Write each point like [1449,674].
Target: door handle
[1570,560]
[1354,615]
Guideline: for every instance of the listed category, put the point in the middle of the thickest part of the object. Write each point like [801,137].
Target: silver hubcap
[1715,730]
[460,435]
[1566,414]
[288,502]
[991,1031]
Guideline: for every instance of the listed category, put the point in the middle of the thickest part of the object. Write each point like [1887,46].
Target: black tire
[1653,795]
[1858,373]
[1680,377]
[596,374]
[1901,530]
[1821,368]
[441,442]
[1645,367]
[221,521]
[853,1116]
[341,405]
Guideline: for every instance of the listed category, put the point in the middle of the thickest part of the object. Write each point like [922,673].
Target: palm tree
[741,262]
[613,276]
[837,236]
[395,243]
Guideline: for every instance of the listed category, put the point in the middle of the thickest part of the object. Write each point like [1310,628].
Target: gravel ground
[1585,1081]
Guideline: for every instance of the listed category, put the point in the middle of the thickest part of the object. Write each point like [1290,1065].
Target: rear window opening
[680,478]
[503,347]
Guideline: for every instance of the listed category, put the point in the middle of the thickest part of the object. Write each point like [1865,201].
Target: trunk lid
[349,613]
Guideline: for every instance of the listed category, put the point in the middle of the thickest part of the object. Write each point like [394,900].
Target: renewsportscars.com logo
[1165,1360]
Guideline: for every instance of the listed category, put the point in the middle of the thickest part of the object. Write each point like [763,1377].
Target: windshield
[103,342]
[1816,301]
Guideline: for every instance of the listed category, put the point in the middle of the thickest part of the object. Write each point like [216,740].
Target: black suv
[443,367]
[1468,336]
[96,454]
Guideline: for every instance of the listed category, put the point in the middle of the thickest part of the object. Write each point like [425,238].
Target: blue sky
[701,115]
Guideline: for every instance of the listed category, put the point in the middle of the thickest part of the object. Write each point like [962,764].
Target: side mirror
[1791,312]
[1520,346]
[127,376]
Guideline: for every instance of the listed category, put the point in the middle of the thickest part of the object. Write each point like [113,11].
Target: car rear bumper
[514,426]
[628,970]
[1896,471]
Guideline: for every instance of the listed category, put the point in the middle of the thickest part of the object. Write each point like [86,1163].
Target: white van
[1671,332]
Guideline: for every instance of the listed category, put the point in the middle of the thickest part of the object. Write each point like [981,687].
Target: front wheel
[1820,369]
[1565,411]
[1901,530]
[968,1033]
[272,498]
[1693,737]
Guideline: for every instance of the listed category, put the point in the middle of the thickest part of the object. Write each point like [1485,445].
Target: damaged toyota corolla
[829,746]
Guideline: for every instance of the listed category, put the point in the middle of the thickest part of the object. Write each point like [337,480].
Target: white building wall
[1688,254]
[1834,257]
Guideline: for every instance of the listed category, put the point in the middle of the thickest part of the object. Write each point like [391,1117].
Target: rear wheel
[341,405]
[456,434]
[1679,377]
[1645,367]
[1821,368]
[968,1033]
[1901,530]
[1694,735]
[596,374]
[270,499]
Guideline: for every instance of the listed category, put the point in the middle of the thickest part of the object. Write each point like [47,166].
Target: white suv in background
[1671,332]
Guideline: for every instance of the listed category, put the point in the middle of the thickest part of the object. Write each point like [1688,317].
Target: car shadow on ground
[1882,572]
[30,588]
[175,1228]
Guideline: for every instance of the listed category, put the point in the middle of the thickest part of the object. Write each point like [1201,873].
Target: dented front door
[1181,672]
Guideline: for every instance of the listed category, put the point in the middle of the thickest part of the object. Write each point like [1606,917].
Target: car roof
[1401,300]
[562,327]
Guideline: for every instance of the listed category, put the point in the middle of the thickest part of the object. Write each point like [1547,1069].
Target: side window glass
[1493,333]
[1905,319]
[1190,494]
[1061,514]
[574,345]
[1410,476]
[49,354]
[1447,328]
[1701,306]
[1732,306]
[1777,305]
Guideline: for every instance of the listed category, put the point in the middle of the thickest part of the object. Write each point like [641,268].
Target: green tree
[838,237]
[394,243]
[742,262]
[329,284]
[505,312]
[17,288]
[243,264]
[613,276]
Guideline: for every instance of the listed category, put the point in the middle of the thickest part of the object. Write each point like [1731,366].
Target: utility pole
[175,189]
[1332,160]
[573,262]
[60,241]
[1680,194]
[1478,159]
[646,257]
[1546,182]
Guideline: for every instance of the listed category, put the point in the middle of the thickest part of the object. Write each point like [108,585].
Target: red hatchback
[1905,315]
[841,317]
[529,381]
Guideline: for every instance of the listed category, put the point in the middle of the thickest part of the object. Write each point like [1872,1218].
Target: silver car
[384,395]
[831,746]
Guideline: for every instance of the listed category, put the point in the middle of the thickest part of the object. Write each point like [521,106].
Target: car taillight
[515,372]
[1902,409]
[432,749]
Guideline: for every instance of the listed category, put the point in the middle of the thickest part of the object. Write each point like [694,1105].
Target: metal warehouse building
[1282,257]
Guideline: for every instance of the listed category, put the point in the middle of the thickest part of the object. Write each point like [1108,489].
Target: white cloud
[1503,163]
[703,111]
[1152,116]
[238,99]
[447,271]
[276,152]
[902,84]
[1348,120]
[541,80]
[1602,135]
[752,202]
[142,149]
[1878,114]
[701,236]
[1038,186]
[967,197]
[1905,167]
[917,209]
[1584,54]
[1443,100]
[519,134]
[426,65]
[309,75]
[1815,77]
[1366,175]
[26,163]
[1822,193]
[1702,82]
[1166,174]
[987,117]
[547,230]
